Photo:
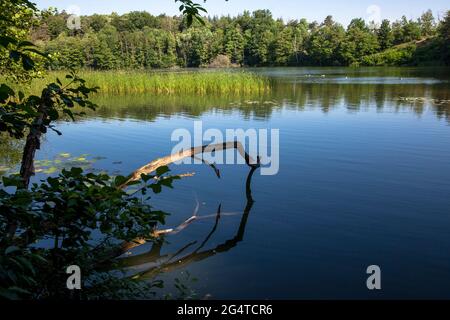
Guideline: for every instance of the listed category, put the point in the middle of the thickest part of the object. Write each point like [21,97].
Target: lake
[364,180]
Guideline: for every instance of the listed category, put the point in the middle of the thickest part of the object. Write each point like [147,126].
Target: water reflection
[170,262]
[324,96]
[10,153]
[390,90]
[372,187]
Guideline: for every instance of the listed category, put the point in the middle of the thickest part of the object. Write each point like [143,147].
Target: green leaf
[26,44]
[14,55]
[146,177]
[119,180]
[167,182]
[5,41]
[189,20]
[5,92]
[36,51]
[156,188]
[27,264]
[161,170]
[39,258]
[76,171]
[27,62]
[12,181]
[11,249]
[19,290]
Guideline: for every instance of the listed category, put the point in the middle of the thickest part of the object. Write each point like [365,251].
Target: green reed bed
[166,83]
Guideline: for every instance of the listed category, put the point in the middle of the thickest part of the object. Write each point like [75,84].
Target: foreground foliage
[73,218]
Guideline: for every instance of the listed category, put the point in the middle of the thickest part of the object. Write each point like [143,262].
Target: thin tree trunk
[33,142]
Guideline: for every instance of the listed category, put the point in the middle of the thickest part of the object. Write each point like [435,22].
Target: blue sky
[343,11]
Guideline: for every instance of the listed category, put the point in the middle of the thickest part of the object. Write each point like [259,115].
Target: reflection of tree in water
[170,262]
[324,96]
[10,152]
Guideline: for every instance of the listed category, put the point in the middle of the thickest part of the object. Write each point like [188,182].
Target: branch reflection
[170,262]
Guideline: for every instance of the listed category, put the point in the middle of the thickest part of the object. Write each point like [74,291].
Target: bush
[398,56]
[221,61]
[72,219]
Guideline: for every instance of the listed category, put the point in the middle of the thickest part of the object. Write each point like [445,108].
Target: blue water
[364,180]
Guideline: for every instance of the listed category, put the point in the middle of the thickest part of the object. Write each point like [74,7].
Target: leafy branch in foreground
[34,114]
[18,56]
[73,218]
[192,11]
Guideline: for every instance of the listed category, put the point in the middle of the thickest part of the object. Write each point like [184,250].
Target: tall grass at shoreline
[164,83]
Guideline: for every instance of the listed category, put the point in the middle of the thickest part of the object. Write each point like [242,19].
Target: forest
[140,40]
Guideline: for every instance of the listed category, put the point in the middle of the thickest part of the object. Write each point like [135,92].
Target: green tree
[285,47]
[406,31]
[140,19]
[385,35]
[159,48]
[427,24]
[96,22]
[259,34]
[444,37]
[97,54]
[66,52]
[324,43]
[234,44]
[56,22]
[359,41]
[195,46]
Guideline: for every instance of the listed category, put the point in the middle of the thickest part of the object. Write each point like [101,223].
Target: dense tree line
[139,40]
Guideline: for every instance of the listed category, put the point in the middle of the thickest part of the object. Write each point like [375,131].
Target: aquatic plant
[165,83]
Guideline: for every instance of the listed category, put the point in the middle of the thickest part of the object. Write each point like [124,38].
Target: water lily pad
[51,170]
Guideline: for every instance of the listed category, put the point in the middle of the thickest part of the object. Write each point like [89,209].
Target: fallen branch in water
[154,165]
[166,263]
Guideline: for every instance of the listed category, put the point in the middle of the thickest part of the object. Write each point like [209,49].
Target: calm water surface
[364,179]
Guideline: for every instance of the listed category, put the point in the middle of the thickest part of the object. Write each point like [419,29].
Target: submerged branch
[166,263]
[154,165]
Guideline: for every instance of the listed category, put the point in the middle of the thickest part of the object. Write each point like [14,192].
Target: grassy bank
[165,83]
[427,52]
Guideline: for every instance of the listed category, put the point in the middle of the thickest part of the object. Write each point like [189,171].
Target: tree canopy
[140,40]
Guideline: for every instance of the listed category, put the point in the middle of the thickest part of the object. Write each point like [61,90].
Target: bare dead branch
[154,165]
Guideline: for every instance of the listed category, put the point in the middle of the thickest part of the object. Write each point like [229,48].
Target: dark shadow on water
[177,260]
